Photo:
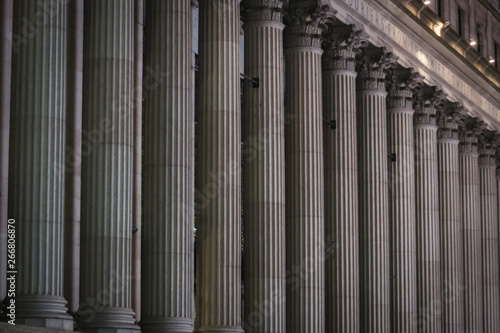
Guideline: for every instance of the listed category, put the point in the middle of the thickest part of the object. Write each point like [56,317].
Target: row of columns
[390,206]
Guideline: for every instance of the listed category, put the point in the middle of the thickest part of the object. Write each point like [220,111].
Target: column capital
[449,119]
[305,22]
[488,144]
[341,45]
[263,10]
[426,104]
[468,135]
[372,67]
[402,83]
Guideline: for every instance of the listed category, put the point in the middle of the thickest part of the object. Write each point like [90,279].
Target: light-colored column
[402,85]
[341,179]
[305,294]
[373,191]
[427,210]
[107,169]
[452,264]
[5,80]
[167,253]
[73,155]
[264,168]
[137,173]
[218,165]
[36,177]
[471,228]
[489,233]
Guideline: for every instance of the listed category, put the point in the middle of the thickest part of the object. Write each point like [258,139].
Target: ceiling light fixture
[491,60]
[472,42]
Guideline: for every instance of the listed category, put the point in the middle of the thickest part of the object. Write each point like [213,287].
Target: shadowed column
[373,190]
[471,227]
[107,168]
[167,249]
[403,83]
[218,169]
[452,261]
[489,231]
[37,165]
[341,178]
[5,63]
[264,168]
[304,169]
[427,209]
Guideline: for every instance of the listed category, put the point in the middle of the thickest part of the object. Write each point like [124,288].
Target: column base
[162,324]
[220,329]
[108,320]
[43,311]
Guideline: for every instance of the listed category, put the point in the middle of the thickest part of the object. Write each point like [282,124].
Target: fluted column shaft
[489,239]
[402,205]
[137,172]
[36,177]
[427,214]
[341,182]
[264,170]
[218,235]
[471,231]
[5,80]
[167,252]
[73,155]
[107,168]
[373,199]
[304,180]
[450,229]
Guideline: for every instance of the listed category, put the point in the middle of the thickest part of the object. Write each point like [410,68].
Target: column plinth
[373,191]
[264,169]
[451,241]
[401,87]
[37,166]
[471,227]
[167,233]
[218,169]
[107,168]
[341,179]
[304,170]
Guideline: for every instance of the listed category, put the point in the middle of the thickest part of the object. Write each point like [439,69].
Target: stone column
[452,264]
[218,175]
[401,86]
[167,253]
[73,155]
[471,228]
[36,177]
[137,173]
[341,179]
[373,191]
[107,167]
[489,232]
[305,300]
[427,210]
[264,168]
[5,80]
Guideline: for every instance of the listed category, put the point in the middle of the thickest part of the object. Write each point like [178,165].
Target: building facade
[257,166]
